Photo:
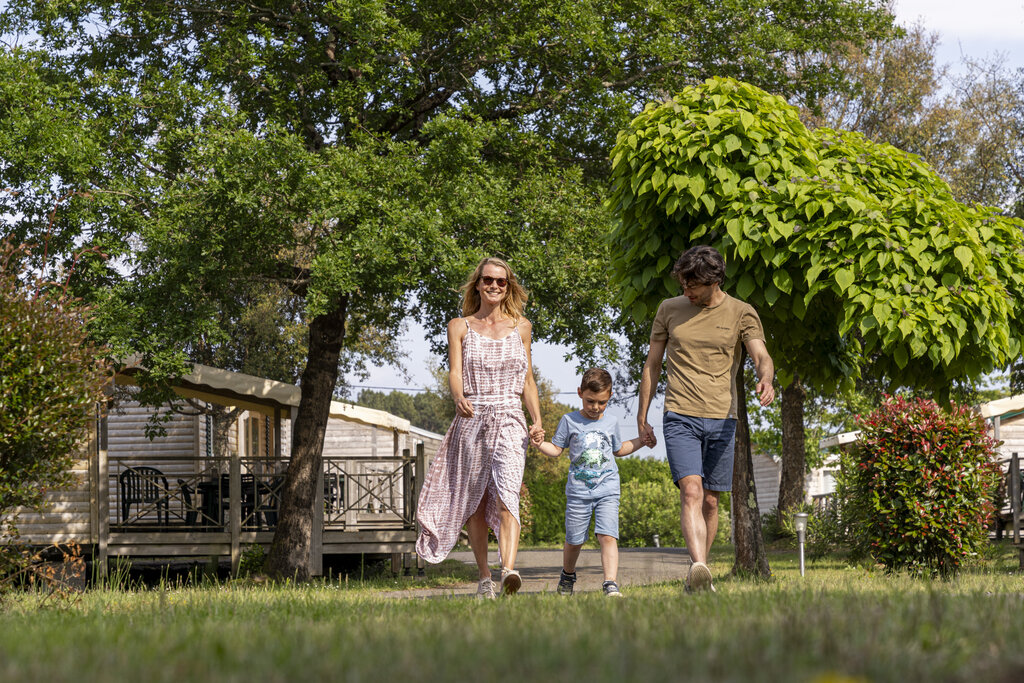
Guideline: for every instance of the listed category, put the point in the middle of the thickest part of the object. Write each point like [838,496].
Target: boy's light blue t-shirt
[592,445]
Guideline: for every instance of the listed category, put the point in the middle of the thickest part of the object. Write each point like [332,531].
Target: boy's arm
[629,447]
[548,448]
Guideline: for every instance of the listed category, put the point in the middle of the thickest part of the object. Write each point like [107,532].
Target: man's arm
[765,369]
[648,385]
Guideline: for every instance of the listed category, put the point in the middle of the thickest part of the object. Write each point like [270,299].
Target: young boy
[593,486]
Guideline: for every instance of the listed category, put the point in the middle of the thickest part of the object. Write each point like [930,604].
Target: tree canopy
[851,251]
[365,155]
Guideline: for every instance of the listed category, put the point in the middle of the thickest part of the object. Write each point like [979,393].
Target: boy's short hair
[596,380]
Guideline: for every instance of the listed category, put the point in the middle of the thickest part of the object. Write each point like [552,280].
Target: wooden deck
[362,505]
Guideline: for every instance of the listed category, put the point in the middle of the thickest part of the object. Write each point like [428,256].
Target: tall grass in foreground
[837,623]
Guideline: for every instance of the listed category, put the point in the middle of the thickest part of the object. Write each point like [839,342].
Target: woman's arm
[456,331]
[530,397]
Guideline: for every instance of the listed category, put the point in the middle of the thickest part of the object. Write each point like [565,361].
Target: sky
[967,28]
[972,28]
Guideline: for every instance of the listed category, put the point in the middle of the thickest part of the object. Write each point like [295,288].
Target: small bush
[917,490]
[51,378]
[252,561]
[647,508]
[547,509]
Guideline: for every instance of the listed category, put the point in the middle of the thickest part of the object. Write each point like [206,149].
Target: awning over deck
[1002,406]
[265,396]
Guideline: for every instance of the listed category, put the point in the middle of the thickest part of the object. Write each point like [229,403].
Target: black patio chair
[191,511]
[247,500]
[141,486]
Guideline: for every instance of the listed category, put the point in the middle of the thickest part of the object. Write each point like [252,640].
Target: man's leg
[710,514]
[695,528]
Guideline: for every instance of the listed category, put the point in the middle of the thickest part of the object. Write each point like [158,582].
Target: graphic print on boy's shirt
[588,466]
[592,445]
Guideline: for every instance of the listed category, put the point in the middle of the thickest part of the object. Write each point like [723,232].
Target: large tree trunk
[751,558]
[289,555]
[794,450]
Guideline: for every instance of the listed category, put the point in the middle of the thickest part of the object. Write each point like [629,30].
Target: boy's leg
[577,526]
[570,554]
[609,556]
[606,528]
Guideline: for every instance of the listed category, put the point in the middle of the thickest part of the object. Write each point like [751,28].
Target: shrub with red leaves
[50,380]
[917,490]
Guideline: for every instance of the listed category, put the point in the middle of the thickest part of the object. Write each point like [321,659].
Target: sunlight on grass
[839,622]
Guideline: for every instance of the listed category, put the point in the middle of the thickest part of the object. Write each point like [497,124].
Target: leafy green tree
[852,252]
[362,153]
[968,127]
[51,379]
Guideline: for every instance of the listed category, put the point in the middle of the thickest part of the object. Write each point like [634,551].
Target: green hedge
[649,505]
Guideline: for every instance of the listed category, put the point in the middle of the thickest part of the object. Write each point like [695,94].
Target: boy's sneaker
[485,590]
[611,589]
[511,581]
[566,583]
[699,578]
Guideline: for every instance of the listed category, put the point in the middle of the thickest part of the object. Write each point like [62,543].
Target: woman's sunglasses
[488,280]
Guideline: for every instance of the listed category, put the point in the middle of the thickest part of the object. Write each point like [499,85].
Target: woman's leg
[476,527]
[508,543]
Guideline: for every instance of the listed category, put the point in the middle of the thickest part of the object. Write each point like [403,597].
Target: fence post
[235,509]
[102,493]
[316,554]
[408,479]
[420,475]
[1015,506]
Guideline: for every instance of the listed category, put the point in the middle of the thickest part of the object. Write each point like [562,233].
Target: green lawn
[839,623]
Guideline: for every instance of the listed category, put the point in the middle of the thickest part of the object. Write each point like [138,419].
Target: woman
[476,475]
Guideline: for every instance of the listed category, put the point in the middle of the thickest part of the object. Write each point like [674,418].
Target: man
[702,332]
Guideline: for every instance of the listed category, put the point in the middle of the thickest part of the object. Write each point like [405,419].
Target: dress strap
[467,324]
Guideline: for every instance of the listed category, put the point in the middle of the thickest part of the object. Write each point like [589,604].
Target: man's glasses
[488,280]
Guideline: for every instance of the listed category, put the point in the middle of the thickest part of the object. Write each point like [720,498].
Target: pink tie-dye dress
[483,453]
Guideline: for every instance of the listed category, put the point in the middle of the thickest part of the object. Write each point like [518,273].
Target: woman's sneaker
[611,589]
[511,581]
[485,590]
[566,583]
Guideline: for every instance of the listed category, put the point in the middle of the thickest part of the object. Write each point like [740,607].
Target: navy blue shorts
[700,445]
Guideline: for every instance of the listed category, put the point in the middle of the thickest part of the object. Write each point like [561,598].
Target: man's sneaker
[511,581]
[611,589]
[699,578]
[566,583]
[485,590]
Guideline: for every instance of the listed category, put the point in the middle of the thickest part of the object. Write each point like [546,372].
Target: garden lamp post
[800,524]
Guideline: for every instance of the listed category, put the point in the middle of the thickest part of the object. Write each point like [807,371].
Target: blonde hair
[515,296]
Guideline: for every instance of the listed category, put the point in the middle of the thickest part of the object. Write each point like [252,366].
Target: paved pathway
[540,570]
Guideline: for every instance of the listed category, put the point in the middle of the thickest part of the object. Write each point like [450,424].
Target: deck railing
[203,494]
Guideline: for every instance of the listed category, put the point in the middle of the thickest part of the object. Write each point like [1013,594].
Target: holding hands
[647,437]
[536,434]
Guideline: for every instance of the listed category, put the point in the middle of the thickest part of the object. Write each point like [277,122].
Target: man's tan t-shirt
[703,352]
